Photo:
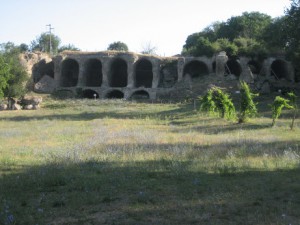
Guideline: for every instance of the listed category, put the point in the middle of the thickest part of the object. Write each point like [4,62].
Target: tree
[13,74]
[277,106]
[248,25]
[292,29]
[247,106]
[69,47]
[217,101]
[118,46]
[5,76]
[238,35]
[42,43]
[149,49]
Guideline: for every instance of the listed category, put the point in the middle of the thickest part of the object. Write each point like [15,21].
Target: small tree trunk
[293,120]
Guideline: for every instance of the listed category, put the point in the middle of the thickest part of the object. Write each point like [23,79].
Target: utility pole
[50,44]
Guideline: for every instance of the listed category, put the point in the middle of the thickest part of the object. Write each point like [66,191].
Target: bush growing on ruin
[118,46]
[247,106]
[215,101]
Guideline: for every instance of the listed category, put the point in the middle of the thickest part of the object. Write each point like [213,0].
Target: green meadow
[124,162]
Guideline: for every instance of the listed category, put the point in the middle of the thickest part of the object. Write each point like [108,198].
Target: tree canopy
[239,35]
[118,46]
[13,75]
[42,43]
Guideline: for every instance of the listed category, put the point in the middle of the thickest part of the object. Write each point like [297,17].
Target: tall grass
[117,162]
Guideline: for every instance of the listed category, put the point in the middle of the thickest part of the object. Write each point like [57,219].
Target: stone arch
[254,66]
[41,69]
[114,94]
[118,73]
[69,73]
[279,69]
[214,66]
[141,94]
[233,67]
[89,93]
[195,69]
[93,73]
[143,73]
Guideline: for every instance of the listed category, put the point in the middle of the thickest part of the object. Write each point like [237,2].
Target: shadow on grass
[83,115]
[225,128]
[148,192]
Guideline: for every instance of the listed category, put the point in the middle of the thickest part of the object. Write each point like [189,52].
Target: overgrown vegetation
[277,106]
[117,162]
[247,106]
[13,76]
[216,101]
[252,34]
[118,46]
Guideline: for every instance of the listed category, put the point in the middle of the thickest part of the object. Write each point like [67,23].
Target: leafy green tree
[217,102]
[277,106]
[118,46]
[5,76]
[248,25]
[292,31]
[42,43]
[238,35]
[202,47]
[13,74]
[247,106]
[293,102]
[69,47]
[274,37]
[225,45]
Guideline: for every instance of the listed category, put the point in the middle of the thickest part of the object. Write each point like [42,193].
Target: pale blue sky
[92,25]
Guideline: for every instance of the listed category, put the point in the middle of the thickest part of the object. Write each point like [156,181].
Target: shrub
[247,106]
[277,106]
[293,101]
[215,101]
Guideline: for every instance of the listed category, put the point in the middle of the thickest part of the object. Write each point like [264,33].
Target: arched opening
[168,74]
[140,95]
[69,73]
[255,66]
[214,66]
[195,69]
[93,73]
[118,74]
[233,67]
[88,93]
[143,73]
[279,69]
[115,94]
[41,69]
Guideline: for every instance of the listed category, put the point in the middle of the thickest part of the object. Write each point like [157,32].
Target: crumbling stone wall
[127,75]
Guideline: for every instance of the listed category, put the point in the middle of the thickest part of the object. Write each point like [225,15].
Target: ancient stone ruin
[128,75]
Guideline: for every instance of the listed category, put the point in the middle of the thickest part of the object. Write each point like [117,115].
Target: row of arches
[279,68]
[118,72]
[118,77]
[115,94]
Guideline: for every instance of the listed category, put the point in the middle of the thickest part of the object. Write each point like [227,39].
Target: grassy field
[118,162]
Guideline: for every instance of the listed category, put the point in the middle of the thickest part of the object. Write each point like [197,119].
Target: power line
[50,43]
